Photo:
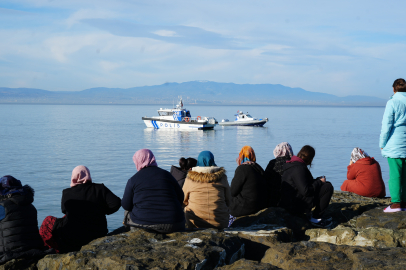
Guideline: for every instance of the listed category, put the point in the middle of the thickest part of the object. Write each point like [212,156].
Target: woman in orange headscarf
[248,187]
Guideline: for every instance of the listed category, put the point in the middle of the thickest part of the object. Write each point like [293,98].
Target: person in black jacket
[152,197]
[248,187]
[86,205]
[180,173]
[19,235]
[273,172]
[300,192]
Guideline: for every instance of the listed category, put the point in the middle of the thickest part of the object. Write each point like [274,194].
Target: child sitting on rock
[364,176]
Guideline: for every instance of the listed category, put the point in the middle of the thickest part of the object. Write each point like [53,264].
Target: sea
[41,144]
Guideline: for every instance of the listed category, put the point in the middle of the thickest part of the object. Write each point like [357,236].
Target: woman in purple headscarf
[152,198]
[273,172]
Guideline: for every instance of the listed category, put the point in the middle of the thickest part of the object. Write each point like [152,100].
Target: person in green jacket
[393,145]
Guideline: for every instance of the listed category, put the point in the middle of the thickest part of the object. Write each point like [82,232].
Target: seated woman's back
[153,196]
[273,172]
[364,176]
[207,194]
[86,205]
[248,187]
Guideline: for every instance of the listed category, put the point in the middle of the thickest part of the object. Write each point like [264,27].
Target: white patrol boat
[244,119]
[179,118]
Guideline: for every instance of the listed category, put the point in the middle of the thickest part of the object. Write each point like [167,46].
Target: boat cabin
[240,116]
[176,114]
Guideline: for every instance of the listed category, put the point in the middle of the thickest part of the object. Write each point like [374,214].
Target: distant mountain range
[199,92]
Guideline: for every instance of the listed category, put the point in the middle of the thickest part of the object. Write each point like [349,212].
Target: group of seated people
[195,195]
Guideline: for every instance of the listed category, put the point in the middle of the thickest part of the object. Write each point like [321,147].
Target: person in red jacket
[364,176]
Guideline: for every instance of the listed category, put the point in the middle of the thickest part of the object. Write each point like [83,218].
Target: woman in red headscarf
[85,205]
[248,187]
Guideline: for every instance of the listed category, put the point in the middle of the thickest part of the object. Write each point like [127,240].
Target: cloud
[178,34]
[82,14]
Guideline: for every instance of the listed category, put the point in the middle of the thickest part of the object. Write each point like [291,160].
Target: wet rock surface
[247,264]
[140,249]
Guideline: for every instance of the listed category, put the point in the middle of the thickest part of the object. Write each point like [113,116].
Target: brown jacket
[207,198]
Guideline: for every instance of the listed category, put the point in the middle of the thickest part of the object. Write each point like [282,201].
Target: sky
[336,47]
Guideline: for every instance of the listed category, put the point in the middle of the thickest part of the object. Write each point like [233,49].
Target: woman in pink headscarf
[152,198]
[85,205]
[273,172]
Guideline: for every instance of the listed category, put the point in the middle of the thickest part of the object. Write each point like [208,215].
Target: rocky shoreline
[363,237]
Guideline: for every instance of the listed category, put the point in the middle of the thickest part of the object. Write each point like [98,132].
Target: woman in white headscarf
[273,172]
[364,175]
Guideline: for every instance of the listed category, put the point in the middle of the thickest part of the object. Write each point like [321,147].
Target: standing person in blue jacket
[153,198]
[393,144]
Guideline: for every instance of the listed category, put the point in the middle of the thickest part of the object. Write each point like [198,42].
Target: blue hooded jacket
[393,132]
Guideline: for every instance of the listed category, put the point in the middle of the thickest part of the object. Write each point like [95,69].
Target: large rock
[369,237]
[140,249]
[247,264]
[259,237]
[313,255]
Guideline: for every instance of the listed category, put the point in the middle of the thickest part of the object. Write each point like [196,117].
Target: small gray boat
[244,119]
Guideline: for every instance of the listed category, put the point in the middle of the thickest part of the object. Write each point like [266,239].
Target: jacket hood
[210,174]
[178,173]
[366,161]
[401,96]
[24,199]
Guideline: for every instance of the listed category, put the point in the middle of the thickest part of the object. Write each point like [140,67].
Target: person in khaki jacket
[207,194]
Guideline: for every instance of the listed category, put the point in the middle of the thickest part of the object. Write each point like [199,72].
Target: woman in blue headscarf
[207,194]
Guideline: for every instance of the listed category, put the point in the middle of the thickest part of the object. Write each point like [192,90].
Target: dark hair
[399,85]
[186,164]
[307,153]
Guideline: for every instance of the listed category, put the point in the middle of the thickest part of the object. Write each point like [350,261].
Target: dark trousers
[322,199]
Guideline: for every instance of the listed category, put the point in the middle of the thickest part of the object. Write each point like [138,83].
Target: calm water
[41,144]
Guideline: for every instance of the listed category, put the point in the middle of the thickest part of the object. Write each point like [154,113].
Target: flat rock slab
[140,249]
[275,215]
[259,237]
[378,219]
[313,255]
[244,264]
